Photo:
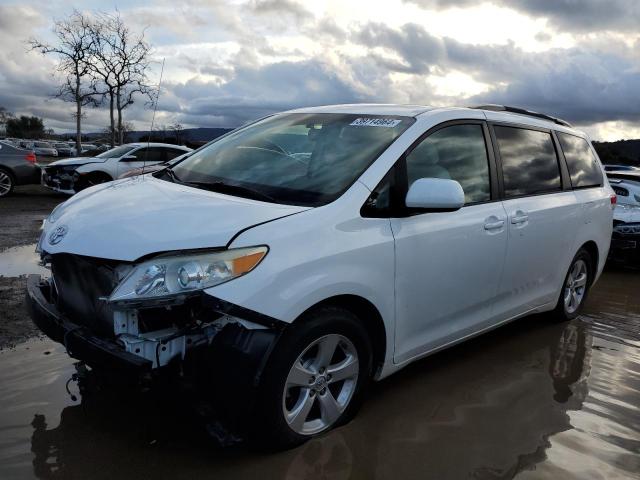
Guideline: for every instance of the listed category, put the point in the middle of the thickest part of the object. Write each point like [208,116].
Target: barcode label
[375,122]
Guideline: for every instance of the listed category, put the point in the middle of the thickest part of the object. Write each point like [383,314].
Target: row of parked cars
[48,148]
[19,166]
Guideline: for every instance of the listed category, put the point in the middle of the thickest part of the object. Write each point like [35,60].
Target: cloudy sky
[230,61]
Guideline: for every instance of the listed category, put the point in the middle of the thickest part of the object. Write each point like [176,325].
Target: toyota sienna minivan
[292,261]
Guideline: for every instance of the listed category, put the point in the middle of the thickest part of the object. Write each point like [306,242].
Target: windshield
[42,145]
[115,152]
[296,158]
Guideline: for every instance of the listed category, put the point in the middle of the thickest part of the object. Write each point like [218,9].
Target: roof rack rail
[522,111]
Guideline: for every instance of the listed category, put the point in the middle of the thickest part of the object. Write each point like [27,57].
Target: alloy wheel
[5,184]
[320,384]
[575,286]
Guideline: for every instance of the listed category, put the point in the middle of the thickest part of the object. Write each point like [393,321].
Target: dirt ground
[21,216]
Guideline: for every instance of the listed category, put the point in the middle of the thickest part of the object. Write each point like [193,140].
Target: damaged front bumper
[246,343]
[62,181]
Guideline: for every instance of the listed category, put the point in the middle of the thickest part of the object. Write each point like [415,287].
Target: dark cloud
[257,91]
[569,15]
[584,85]
[288,8]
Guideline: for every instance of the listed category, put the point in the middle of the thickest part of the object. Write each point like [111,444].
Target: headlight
[174,275]
[55,213]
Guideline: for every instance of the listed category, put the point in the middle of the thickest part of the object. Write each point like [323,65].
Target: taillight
[30,157]
[614,199]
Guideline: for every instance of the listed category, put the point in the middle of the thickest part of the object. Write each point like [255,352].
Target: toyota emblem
[58,234]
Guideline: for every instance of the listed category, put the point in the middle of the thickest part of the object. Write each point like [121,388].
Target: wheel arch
[592,249]
[368,314]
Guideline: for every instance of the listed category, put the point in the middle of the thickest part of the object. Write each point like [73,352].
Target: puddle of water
[531,400]
[18,261]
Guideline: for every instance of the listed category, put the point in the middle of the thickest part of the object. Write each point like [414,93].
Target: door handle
[494,225]
[519,218]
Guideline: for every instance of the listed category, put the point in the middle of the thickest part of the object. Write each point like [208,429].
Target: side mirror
[435,194]
[129,158]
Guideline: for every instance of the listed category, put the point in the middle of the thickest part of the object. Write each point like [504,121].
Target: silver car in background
[44,149]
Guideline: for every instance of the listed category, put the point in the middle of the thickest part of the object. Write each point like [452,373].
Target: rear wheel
[575,287]
[315,379]
[6,183]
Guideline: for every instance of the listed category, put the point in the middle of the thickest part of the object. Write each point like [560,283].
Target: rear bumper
[27,174]
[625,247]
[78,340]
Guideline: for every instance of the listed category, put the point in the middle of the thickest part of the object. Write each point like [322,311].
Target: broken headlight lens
[174,275]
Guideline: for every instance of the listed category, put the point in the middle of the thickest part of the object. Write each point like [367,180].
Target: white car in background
[625,241]
[44,149]
[74,174]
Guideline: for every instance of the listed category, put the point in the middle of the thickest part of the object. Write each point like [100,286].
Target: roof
[156,144]
[368,109]
[492,112]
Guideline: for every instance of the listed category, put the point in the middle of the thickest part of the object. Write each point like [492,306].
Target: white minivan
[293,260]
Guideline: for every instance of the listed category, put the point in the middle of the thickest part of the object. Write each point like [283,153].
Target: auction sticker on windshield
[375,122]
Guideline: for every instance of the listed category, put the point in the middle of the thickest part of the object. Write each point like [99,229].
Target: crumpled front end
[61,178]
[160,333]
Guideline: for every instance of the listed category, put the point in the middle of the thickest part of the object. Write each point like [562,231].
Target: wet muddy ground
[532,400]
[21,216]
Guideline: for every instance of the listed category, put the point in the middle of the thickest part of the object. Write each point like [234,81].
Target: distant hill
[191,134]
[192,137]
[622,152]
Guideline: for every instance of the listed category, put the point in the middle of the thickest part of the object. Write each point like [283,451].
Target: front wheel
[315,379]
[575,287]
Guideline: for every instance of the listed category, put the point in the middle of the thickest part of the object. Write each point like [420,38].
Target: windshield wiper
[222,187]
[172,175]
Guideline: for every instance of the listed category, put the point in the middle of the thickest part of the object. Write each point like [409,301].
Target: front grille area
[80,282]
[59,177]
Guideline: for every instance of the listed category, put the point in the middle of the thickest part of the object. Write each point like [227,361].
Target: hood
[128,219]
[627,213]
[76,161]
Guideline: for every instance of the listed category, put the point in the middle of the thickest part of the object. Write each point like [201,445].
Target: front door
[448,265]
[142,157]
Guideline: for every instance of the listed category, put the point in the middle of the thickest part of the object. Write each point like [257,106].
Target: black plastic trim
[228,308]
[78,340]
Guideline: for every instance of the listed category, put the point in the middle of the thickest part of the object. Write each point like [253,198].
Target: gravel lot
[21,216]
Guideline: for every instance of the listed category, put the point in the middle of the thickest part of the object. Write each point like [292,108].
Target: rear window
[529,161]
[583,166]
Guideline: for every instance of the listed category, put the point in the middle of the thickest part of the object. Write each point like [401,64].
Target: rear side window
[151,154]
[583,166]
[173,153]
[529,161]
[458,153]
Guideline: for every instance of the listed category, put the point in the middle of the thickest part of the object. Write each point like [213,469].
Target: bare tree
[121,63]
[178,131]
[5,115]
[73,49]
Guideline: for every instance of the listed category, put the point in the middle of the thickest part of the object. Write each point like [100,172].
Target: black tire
[270,430]
[8,182]
[92,179]
[562,312]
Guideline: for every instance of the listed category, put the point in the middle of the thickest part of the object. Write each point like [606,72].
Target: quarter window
[457,152]
[151,154]
[583,166]
[529,161]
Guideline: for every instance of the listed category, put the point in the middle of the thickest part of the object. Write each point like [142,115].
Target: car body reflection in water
[531,400]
